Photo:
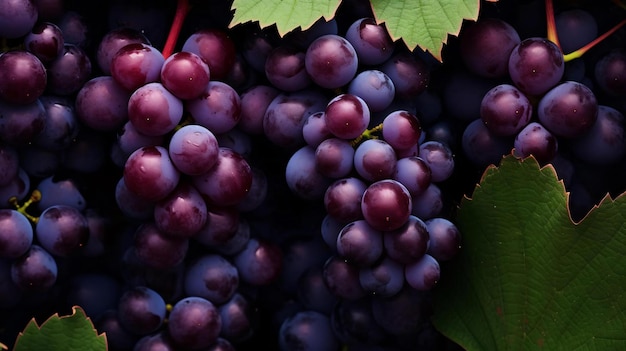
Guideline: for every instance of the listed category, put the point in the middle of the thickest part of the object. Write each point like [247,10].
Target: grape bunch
[218,188]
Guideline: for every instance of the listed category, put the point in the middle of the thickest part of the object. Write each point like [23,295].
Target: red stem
[182,9]
[551,23]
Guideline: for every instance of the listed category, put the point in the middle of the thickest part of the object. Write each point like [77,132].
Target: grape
[58,191]
[537,141]
[212,277]
[331,61]
[575,28]
[256,46]
[74,27]
[17,187]
[193,149]
[401,129]
[185,75]
[481,146]
[604,143]
[314,130]
[439,158]
[228,181]
[21,124]
[374,87]
[218,107]
[157,249]
[141,310]
[334,158]
[360,244]
[16,234]
[62,230]
[259,263]
[254,103]
[302,176]
[117,336]
[158,341]
[17,18]
[111,43]
[536,65]
[407,243]
[375,159]
[386,204]
[284,68]
[429,203]
[69,71]
[568,110]
[35,270]
[384,278]
[424,273]
[61,125]
[409,73]
[240,318]
[215,47]
[154,110]
[221,226]
[370,40]
[330,230]
[486,45]
[45,41]
[131,204]
[102,104]
[182,213]
[257,193]
[445,238]
[136,64]
[342,199]
[505,110]
[609,72]
[414,173]
[150,173]
[128,139]
[307,330]
[194,323]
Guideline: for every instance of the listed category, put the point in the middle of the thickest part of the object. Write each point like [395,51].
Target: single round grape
[505,110]
[375,159]
[440,159]
[35,270]
[150,173]
[182,213]
[307,330]
[228,181]
[537,141]
[157,249]
[240,318]
[360,244]
[23,77]
[254,103]
[409,242]
[194,323]
[370,40]
[259,263]
[414,173]
[17,18]
[285,68]
[154,110]
[386,204]
[401,129]
[423,274]
[16,234]
[331,61]
[610,72]
[69,71]
[302,175]
[136,64]
[110,43]
[334,157]
[185,75]
[62,230]
[212,277]
[193,149]
[605,142]
[102,104]
[141,310]
[342,199]
[347,116]
[536,65]
[445,238]
[409,73]
[45,41]
[568,110]
[218,108]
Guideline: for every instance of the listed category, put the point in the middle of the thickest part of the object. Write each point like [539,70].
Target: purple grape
[259,263]
[342,199]
[257,193]
[536,65]
[409,73]
[141,310]
[423,274]
[407,243]
[35,270]
[159,341]
[61,125]
[568,110]
[401,129]
[102,104]
[331,61]
[58,191]
[307,330]
[182,213]
[439,158]
[374,87]
[150,173]
[18,187]
[445,238]
[505,110]
[254,103]
[154,110]
[605,142]
[334,158]
[218,108]
[240,318]
[227,182]
[16,234]
[486,45]
[610,72]
[481,146]
[360,244]
[285,68]
[375,159]
[193,149]
[117,336]
[185,75]
[537,141]
[384,278]
[9,163]
[314,129]
[429,203]
[575,28]
[45,41]
[414,173]
[17,18]
[221,226]
[69,71]
[342,278]
[112,42]
[302,176]
[370,40]
[347,116]
[128,139]
[212,277]
[136,64]
[331,227]
[21,124]
[386,205]
[62,230]
[215,47]
[131,204]
[194,323]
[157,249]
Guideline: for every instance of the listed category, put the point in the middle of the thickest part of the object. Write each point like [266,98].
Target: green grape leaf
[425,23]
[286,14]
[73,332]
[527,277]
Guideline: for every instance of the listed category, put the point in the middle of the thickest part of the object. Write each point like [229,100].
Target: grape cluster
[230,188]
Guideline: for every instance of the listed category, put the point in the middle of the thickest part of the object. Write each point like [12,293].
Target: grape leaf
[528,277]
[286,14]
[61,333]
[424,23]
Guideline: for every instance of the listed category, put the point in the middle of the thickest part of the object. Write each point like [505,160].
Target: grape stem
[553,36]
[35,196]
[367,134]
[182,9]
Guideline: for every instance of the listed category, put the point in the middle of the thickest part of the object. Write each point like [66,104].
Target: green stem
[182,9]
[34,197]
[367,134]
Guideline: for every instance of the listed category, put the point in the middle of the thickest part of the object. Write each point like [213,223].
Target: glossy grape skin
[45,41]
[141,310]
[409,73]
[481,146]
[58,191]
[17,18]
[254,103]
[102,104]
[331,61]
[61,125]
[69,71]
[302,176]
[150,173]
[182,213]
[307,330]
[314,129]
[334,158]
[536,65]
[227,182]
[375,159]
[212,277]
[112,42]
[240,318]
[609,72]
[370,40]
[221,226]
[424,273]
[130,204]
[185,74]
[386,204]
[62,230]
[568,110]
[428,204]
[374,87]
[486,45]
[505,110]
[23,77]
[16,234]
[136,64]
[360,244]
[414,173]
[342,199]
[407,243]
[401,129]
[259,263]
[194,323]
[193,149]
[157,249]
[537,141]
[218,107]
[154,110]
[36,270]
[445,238]
[215,47]
[285,68]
